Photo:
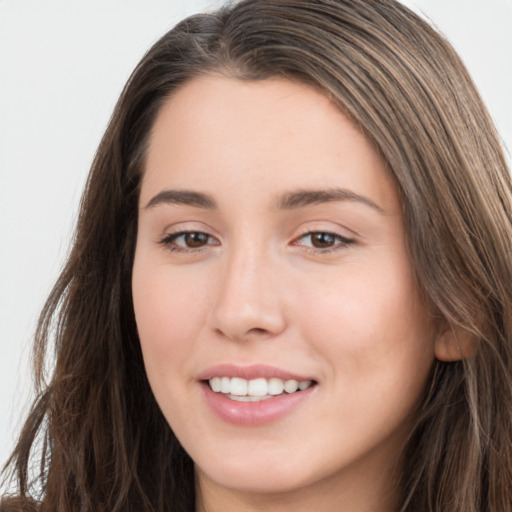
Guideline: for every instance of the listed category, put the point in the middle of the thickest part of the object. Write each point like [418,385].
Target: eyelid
[168,240]
[343,241]
[188,226]
[325,232]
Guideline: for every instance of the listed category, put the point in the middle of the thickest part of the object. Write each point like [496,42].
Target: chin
[256,476]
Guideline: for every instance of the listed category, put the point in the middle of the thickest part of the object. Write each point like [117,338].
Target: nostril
[256,330]
[251,333]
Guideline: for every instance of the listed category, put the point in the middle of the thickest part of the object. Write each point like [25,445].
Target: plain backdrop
[62,66]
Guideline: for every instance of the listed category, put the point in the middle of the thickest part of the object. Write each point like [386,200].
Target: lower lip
[254,413]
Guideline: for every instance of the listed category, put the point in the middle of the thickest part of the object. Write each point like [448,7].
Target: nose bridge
[248,298]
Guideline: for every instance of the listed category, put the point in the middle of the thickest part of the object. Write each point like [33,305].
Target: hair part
[106,445]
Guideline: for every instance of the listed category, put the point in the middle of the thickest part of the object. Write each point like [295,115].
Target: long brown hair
[95,439]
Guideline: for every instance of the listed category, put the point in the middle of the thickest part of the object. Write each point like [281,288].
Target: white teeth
[275,386]
[290,386]
[304,384]
[244,390]
[248,398]
[238,386]
[225,385]
[257,387]
[216,384]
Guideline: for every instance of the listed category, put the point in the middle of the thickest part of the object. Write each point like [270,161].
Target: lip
[252,413]
[249,372]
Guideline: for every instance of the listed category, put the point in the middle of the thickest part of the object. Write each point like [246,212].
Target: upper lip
[250,372]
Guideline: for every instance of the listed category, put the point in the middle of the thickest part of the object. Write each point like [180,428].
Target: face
[271,252]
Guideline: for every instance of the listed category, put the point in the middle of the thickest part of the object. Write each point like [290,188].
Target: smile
[254,390]
[254,395]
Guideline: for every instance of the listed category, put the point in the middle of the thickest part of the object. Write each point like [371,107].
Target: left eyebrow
[303,198]
[183,197]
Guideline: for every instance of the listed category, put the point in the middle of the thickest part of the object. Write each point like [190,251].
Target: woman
[289,288]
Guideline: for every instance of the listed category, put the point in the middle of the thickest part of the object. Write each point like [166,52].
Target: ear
[454,344]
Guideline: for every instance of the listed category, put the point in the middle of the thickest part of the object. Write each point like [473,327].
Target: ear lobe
[454,344]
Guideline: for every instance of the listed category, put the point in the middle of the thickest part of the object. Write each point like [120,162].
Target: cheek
[169,310]
[374,338]
[369,323]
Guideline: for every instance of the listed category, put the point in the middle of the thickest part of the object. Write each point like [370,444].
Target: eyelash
[169,242]
[340,244]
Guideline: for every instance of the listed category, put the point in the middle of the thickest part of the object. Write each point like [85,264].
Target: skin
[255,289]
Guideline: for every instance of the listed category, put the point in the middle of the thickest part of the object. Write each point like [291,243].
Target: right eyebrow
[304,198]
[184,197]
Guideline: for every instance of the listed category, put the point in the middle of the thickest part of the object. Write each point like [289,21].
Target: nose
[248,300]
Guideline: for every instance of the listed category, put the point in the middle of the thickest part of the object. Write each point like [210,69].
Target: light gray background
[62,66]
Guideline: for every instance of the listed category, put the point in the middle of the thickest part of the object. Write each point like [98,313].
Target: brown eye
[323,240]
[195,239]
[187,240]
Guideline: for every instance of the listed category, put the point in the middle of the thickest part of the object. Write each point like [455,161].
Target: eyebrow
[183,197]
[288,201]
[303,198]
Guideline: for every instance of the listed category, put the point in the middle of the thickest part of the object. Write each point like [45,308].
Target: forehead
[216,132]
